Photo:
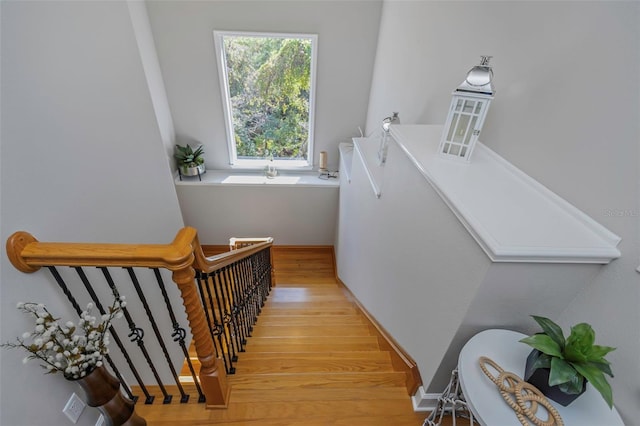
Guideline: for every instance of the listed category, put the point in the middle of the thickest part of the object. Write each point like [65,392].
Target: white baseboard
[423,401]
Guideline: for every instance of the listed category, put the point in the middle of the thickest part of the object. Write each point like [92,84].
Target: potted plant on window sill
[190,161]
[560,368]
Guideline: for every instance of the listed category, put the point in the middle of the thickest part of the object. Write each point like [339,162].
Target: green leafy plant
[572,360]
[188,157]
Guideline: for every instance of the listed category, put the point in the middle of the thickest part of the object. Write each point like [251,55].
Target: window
[267,84]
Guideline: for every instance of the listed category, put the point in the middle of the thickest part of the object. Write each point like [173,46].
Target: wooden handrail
[27,254]
[213,263]
[182,256]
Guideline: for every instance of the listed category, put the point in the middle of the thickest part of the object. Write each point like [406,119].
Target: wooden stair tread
[308,344]
[279,410]
[310,320]
[306,311]
[322,355]
[292,344]
[355,380]
[311,330]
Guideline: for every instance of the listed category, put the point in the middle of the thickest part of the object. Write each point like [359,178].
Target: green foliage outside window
[269,85]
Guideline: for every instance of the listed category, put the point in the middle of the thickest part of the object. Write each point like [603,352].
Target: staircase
[313,359]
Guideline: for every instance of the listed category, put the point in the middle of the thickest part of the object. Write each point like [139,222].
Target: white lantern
[469,107]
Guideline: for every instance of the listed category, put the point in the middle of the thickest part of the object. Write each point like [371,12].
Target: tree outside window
[268,86]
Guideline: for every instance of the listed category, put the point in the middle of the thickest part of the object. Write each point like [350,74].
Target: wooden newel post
[213,378]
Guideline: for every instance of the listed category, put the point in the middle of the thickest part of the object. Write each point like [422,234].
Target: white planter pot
[192,171]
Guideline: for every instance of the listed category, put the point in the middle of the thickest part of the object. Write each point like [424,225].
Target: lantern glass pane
[452,126]
[468,106]
[472,127]
[463,152]
[446,148]
[459,105]
[478,107]
[455,149]
[461,129]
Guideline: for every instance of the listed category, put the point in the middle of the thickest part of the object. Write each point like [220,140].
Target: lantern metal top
[479,79]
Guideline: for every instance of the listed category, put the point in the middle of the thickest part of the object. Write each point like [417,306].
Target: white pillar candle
[323,160]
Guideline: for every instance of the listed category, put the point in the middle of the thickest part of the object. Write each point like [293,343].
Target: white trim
[224,91]
[367,152]
[282,180]
[346,158]
[423,401]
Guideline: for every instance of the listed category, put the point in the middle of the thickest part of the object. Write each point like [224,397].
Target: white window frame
[234,161]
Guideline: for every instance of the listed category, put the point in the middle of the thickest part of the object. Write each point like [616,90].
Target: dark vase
[102,390]
[540,379]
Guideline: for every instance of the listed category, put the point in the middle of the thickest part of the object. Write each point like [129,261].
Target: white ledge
[233,178]
[513,217]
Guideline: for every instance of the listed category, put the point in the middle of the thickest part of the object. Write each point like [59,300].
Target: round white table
[484,399]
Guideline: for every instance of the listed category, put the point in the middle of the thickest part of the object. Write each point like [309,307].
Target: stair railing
[244,275]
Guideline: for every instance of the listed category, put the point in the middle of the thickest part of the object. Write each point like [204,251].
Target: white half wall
[82,160]
[292,216]
[347,34]
[565,112]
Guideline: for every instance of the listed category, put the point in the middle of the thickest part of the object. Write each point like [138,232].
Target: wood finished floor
[312,360]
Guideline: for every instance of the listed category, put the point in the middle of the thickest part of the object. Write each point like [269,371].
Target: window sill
[233,178]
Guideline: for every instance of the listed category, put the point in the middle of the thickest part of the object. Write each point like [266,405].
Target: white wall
[82,160]
[183,31]
[400,256]
[292,216]
[566,112]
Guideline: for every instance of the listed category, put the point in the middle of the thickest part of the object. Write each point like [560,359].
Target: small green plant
[573,360]
[188,157]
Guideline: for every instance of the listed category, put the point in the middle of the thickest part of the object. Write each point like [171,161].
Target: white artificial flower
[26,335]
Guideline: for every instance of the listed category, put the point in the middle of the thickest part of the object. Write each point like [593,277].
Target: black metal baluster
[226,341]
[148,398]
[232,309]
[74,303]
[136,284]
[216,327]
[179,334]
[236,285]
[249,294]
[258,268]
[137,335]
[252,292]
[218,286]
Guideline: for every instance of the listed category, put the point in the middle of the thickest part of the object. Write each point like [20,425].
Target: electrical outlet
[100,421]
[74,408]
